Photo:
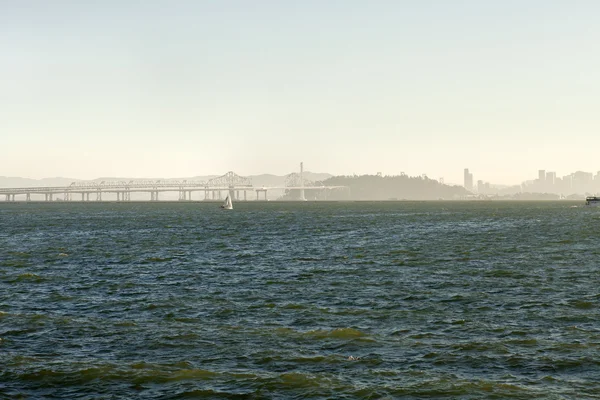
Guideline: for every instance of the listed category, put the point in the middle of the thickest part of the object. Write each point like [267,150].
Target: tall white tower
[302,198]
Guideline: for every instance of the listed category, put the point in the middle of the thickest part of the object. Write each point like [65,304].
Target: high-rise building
[542,175]
[480,187]
[551,178]
[468,179]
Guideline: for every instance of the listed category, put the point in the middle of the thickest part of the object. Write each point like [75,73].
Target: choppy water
[436,299]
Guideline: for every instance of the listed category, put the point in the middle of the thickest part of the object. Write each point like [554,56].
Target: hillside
[375,187]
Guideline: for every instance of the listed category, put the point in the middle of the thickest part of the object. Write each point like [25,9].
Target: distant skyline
[5,181]
[186,88]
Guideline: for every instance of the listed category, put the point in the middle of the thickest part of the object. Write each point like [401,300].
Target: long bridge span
[214,189]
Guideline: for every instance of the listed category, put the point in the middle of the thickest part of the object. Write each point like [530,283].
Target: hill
[375,187]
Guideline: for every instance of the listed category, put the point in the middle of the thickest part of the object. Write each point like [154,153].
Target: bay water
[274,300]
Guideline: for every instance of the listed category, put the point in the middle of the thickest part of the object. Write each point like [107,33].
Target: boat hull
[592,201]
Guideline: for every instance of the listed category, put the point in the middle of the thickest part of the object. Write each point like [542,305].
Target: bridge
[212,190]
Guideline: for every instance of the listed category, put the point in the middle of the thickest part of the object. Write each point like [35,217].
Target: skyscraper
[468,179]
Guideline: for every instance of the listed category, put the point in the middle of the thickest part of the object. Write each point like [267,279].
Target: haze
[163,88]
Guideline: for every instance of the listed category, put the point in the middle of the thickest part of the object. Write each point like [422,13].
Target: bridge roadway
[213,190]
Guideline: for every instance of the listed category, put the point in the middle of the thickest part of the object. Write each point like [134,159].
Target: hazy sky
[183,88]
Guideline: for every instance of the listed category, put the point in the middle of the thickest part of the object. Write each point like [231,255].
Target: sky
[186,88]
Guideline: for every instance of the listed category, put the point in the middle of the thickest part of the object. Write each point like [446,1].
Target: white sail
[227,205]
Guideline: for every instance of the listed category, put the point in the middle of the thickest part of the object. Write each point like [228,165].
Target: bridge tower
[302,198]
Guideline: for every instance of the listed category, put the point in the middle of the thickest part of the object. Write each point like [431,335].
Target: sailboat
[227,205]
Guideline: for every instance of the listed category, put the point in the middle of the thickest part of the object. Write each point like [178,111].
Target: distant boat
[592,201]
[227,205]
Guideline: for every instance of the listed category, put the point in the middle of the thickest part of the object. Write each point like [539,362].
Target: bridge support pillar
[258,194]
[245,199]
[28,197]
[185,195]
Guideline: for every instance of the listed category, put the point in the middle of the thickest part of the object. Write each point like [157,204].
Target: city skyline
[123,89]
[546,179]
[546,182]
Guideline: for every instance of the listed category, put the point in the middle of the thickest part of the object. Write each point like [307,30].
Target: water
[300,300]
